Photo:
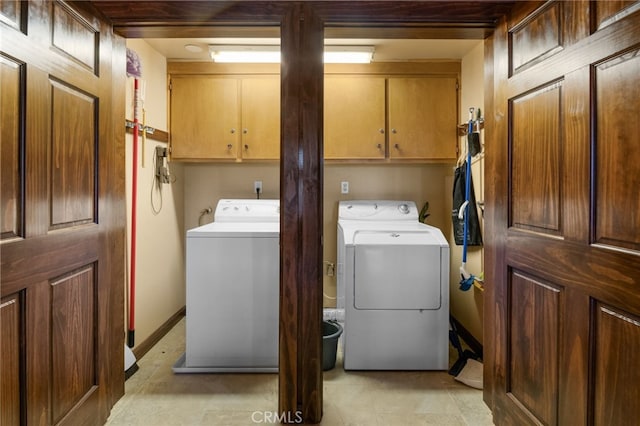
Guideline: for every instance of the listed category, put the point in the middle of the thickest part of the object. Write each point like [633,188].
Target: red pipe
[134,202]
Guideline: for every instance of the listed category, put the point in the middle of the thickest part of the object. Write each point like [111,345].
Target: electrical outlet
[257,186]
[331,269]
[344,187]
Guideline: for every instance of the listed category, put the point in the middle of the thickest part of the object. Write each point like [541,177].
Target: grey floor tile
[154,395]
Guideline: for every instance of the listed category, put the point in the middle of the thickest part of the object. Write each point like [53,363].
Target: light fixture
[193,48]
[244,54]
[348,54]
[271,54]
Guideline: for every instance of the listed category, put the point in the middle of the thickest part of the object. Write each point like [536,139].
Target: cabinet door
[261,118]
[204,117]
[354,117]
[423,118]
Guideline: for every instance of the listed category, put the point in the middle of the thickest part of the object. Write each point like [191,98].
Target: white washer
[233,290]
[393,283]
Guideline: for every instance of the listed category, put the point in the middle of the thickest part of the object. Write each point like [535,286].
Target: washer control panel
[232,210]
[377,210]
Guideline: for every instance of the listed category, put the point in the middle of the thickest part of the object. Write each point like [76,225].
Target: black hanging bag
[474,235]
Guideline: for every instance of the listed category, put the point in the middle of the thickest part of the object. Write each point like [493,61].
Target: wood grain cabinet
[422,113]
[260,118]
[235,117]
[204,119]
[354,117]
[224,118]
[397,118]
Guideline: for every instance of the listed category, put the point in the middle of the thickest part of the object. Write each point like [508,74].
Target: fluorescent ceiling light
[348,54]
[271,54]
[258,54]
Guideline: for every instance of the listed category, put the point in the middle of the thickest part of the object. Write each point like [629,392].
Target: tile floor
[154,395]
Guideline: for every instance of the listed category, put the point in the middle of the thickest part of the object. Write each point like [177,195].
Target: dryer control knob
[404,209]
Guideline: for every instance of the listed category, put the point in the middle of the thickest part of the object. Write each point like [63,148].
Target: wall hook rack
[463,129]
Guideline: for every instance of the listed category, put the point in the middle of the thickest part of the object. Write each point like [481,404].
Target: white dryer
[233,284]
[393,283]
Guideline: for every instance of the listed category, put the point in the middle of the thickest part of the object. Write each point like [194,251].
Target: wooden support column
[301,178]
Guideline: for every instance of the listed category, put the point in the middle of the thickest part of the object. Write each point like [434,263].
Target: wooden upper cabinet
[225,118]
[384,112]
[260,118]
[422,114]
[354,117]
[205,122]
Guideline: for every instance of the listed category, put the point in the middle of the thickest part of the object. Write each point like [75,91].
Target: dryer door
[397,271]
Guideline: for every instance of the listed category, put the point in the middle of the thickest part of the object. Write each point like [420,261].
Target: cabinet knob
[394,131]
[246,146]
[381,131]
[396,146]
[245,131]
[379,146]
[233,131]
[229,146]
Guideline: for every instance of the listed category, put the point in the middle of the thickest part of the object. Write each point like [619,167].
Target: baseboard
[468,338]
[140,350]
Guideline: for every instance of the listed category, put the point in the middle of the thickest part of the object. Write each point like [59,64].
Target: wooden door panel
[62,163]
[11,364]
[73,339]
[73,177]
[537,37]
[563,129]
[617,203]
[12,13]
[609,11]
[535,160]
[75,36]
[533,345]
[11,194]
[616,373]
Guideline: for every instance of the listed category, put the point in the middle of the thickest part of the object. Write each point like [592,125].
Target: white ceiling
[386,50]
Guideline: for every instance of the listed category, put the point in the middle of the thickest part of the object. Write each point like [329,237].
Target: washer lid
[236,230]
[247,210]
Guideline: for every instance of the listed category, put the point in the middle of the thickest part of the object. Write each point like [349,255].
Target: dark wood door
[62,215]
[562,317]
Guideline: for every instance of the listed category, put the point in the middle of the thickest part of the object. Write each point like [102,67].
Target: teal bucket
[331,331]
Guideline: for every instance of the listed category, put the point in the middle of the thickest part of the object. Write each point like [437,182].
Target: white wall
[466,306]
[160,287]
